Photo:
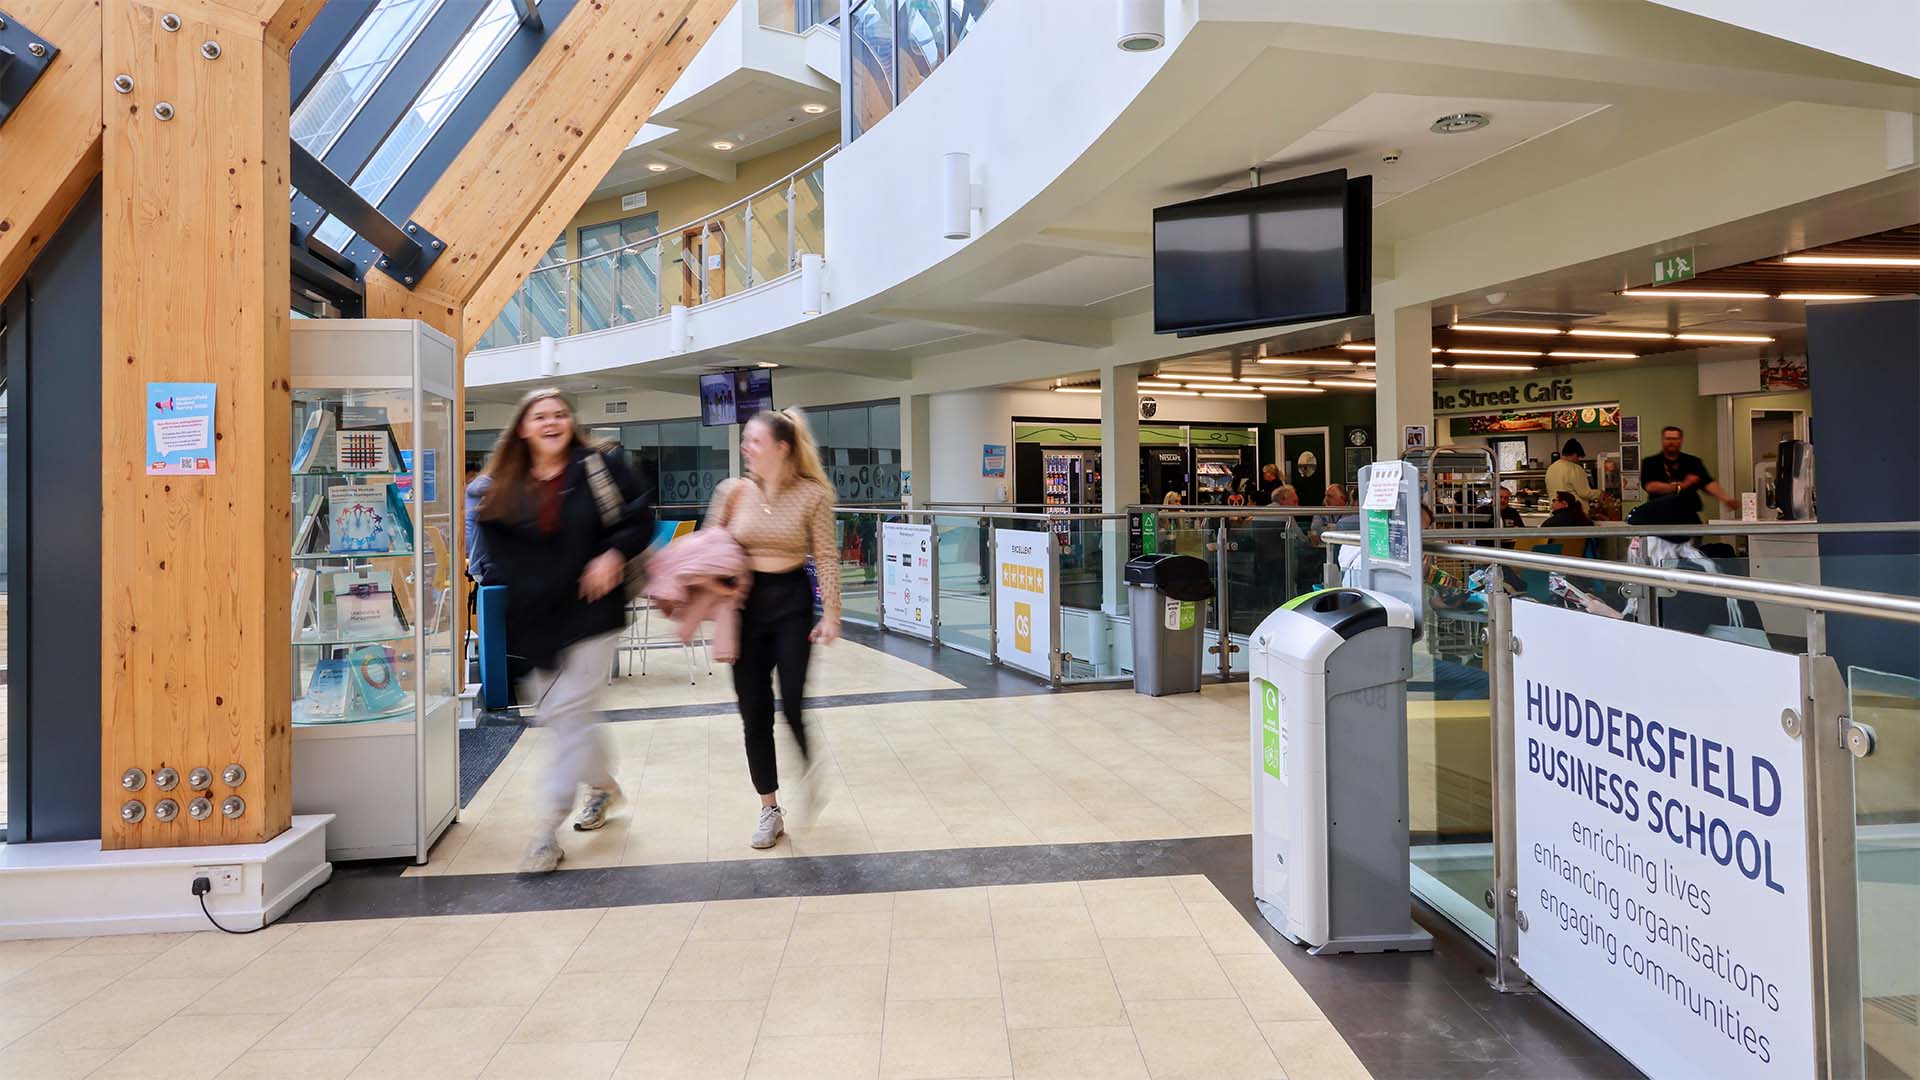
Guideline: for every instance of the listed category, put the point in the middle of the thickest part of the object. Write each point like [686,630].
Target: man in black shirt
[1673,472]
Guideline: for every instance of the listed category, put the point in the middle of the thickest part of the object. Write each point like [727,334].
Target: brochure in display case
[374,683]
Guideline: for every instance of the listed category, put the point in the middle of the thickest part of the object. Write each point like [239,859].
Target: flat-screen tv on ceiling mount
[734,397]
[1297,251]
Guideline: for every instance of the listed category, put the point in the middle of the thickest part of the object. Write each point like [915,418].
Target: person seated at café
[1568,513]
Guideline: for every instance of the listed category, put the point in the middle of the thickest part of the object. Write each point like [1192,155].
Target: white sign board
[1383,486]
[1023,600]
[906,581]
[1662,843]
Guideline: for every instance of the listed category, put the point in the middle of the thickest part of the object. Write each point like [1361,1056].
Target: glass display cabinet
[375,608]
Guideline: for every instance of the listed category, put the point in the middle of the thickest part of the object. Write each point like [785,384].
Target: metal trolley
[1461,485]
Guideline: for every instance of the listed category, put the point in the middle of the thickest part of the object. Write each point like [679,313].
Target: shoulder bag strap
[606,494]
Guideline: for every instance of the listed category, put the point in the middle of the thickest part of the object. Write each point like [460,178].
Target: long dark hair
[512,460]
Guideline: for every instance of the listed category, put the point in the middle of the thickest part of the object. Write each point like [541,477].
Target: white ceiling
[1358,139]
[887,336]
[1079,282]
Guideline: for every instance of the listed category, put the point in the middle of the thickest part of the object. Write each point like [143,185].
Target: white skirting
[75,889]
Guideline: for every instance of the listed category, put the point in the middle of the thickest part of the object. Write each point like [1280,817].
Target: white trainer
[772,824]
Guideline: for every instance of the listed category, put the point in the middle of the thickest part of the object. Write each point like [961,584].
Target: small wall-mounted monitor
[733,397]
[1296,251]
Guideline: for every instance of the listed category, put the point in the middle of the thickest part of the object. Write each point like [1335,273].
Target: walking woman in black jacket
[560,520]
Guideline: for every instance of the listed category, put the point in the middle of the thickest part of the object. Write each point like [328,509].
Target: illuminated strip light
[1172,393]
[1695,294]
[1352,347]
[1291,390]
[1324,361]
[1346,382]
[1144,387]
[1849,260]
[1231,394]
[1636,335]
[1578,354]
[1495,352]
[1489,367]
[1186,378]
[1825,296]
[1488,328]
[1737,339]
[1273,380]
[1076,389]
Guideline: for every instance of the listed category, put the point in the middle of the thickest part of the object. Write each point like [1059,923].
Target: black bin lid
[1179,577]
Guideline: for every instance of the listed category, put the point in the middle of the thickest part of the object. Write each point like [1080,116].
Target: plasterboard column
[1403,337]
[1119,474]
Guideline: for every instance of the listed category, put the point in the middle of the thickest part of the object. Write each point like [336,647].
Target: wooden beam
[50,146]
[194,658]
[546,146]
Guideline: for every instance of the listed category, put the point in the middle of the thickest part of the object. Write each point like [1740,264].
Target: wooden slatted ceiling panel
[1774,276]
[194,570]
[50,146]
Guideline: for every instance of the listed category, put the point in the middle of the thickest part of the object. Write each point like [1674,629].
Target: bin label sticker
[1379,543]
[1180,614]
[1273,745]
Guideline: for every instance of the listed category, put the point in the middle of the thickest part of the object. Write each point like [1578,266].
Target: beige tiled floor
[1142,977]
[841,668]
[1060,768]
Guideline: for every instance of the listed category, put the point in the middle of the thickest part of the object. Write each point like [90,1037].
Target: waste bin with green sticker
[1167,598]
[1329,752]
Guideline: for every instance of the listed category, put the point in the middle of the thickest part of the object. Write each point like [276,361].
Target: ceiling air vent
[615,408]
[469,416]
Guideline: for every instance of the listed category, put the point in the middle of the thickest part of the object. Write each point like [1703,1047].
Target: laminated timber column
[50,146]
[194,589]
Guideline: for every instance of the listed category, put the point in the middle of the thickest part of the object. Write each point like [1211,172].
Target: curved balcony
[742,246]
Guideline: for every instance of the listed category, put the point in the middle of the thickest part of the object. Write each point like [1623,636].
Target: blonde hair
[790,426]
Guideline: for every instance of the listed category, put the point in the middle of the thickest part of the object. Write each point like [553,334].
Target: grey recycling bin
[1167,596]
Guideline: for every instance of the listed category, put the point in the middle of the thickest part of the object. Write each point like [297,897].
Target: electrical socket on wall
[225,879]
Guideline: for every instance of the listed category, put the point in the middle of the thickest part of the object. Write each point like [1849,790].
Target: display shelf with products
[375,697]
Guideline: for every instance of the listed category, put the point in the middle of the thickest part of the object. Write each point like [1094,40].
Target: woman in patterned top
[781,514]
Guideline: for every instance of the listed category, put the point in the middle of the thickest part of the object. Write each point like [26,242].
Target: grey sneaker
[772,824]
[543,855]
[593,812]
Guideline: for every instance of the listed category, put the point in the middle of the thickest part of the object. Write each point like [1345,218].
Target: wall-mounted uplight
[813,284]
[959,196]
[679,332]
[1143,25]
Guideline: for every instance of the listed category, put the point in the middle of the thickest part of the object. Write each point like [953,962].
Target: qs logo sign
[1023,627]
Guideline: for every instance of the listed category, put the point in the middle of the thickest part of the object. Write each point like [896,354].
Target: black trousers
[775,629]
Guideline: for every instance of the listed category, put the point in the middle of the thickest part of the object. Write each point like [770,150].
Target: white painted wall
[965,421]
[1884,33]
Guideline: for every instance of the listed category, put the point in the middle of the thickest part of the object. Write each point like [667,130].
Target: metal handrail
[685,227]
[1620,530]
[1811,597]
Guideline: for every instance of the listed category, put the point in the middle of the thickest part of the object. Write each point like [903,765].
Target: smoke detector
[1459,123]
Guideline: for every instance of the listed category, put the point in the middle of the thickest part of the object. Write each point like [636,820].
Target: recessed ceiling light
[1368,363]
[1848,260]
[813,108]
[1692,294]
[1076,389]
[1353,347]
[657,166]
[1459,123]
[1637,335]
[1291,390]
[1580,354]
[1171,393]
[1231,394]
[1184,377]
[1158,386]
[1273,380]
[1825,296]
[722,144]
[1345,382]
[1737,339]
[1489,328]
[1306,361]
[1490,367]
[767,364]
[1494,352]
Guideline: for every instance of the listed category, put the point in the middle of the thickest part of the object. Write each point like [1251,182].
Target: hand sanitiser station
[1329,730]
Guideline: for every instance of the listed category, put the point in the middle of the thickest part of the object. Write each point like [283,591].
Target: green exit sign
[1673,268]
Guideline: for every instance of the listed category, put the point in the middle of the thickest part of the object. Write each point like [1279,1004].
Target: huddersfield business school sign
[1662,866]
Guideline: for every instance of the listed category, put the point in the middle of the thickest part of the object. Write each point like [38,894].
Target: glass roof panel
[442,94]
[357,71]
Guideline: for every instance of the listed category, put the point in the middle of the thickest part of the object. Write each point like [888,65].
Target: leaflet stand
[1390,561]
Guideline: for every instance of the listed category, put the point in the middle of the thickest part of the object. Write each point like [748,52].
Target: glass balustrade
[965,622]
[1886,800]
[750,243]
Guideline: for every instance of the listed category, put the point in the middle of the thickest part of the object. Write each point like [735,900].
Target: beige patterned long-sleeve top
[795,523]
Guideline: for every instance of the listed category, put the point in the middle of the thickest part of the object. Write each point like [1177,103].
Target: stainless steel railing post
[1833,901]
[1501,645]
